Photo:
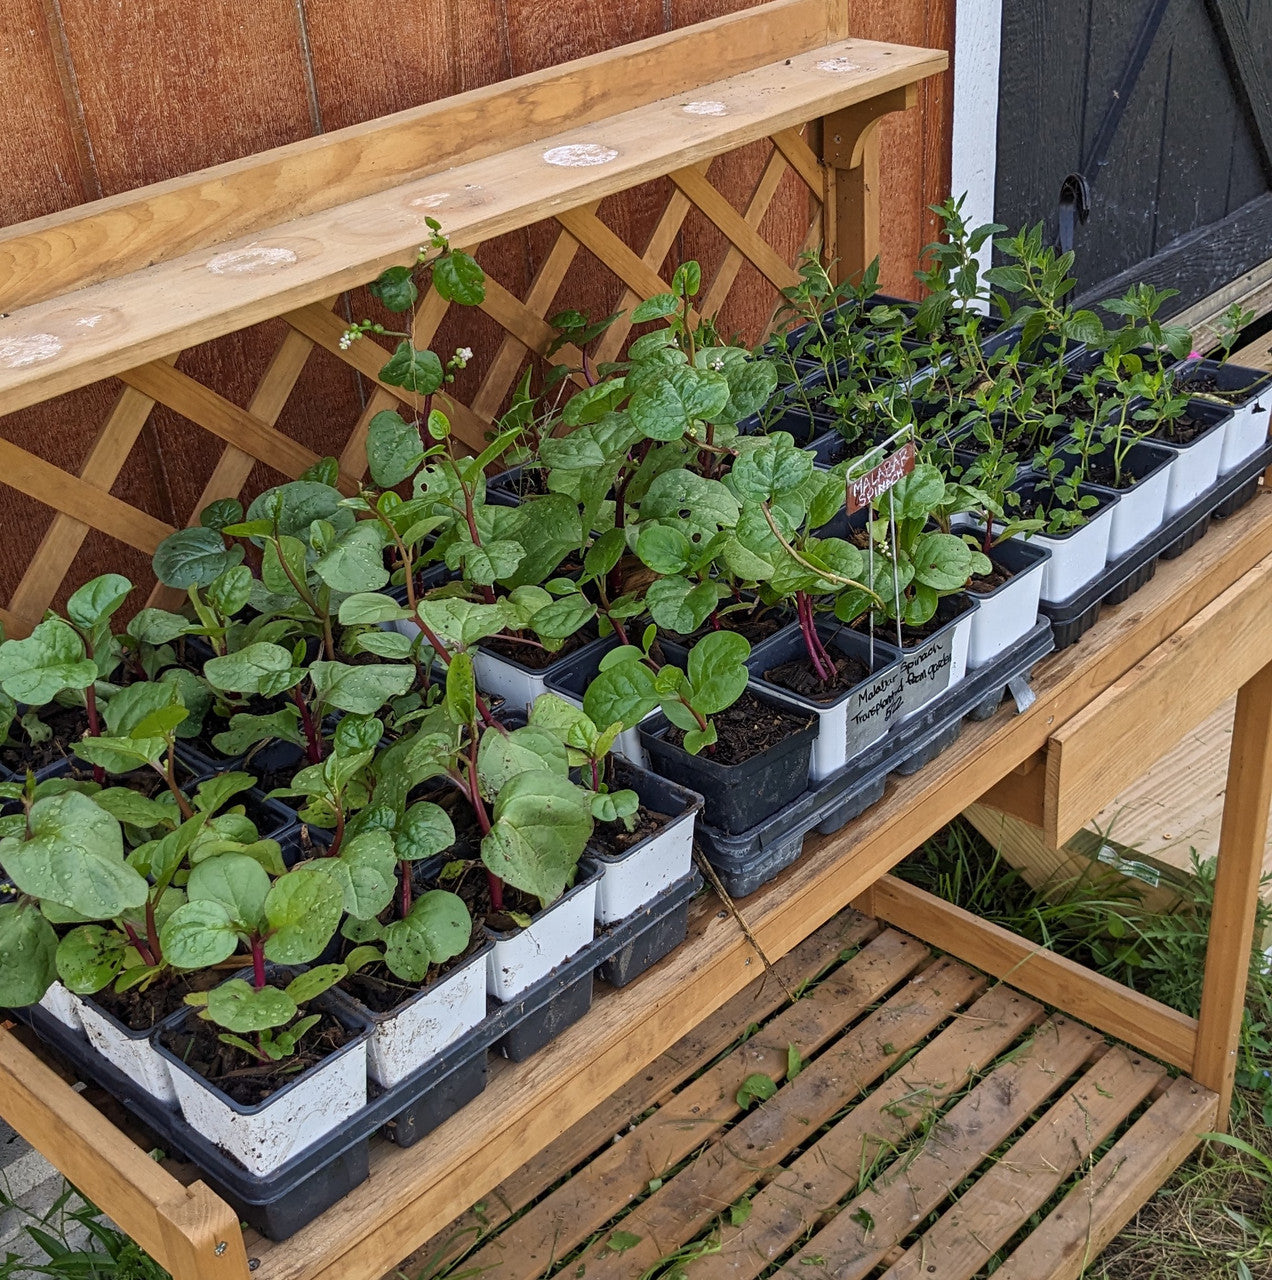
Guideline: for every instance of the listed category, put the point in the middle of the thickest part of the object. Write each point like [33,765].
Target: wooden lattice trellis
[814,112]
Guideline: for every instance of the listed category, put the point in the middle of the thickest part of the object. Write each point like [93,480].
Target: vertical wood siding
[100,96]
[1183,158]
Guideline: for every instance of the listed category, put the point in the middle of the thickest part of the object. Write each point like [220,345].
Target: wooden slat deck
[923,1117]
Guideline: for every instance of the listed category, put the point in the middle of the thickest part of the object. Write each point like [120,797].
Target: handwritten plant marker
[864,489]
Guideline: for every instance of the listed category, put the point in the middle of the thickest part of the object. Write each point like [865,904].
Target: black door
[1158,115]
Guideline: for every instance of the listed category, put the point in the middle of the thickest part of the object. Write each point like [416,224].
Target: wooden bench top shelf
[124,286]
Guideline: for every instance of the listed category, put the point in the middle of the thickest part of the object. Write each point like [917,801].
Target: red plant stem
[337,838]
[170,777]
[258,964]
[152,933]
[140,947]
[494,884]
[313,738]
[596,777]
[404,868]
[483,708]
[812,642]
[94,729]
[471,517]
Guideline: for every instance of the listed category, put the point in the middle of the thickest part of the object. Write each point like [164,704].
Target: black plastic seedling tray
[296,1193]
[752,858]
[1072,618]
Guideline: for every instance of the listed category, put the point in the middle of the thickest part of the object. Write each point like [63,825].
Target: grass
[1213,1219]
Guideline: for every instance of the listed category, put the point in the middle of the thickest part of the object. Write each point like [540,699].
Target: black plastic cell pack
[1072,618]
[280,1204]
[752,858]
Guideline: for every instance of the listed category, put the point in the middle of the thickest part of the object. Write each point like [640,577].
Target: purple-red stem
[94,729]
[493,882]
[404,868]
[258,963]
[313,738]
[817,655]
[140,947]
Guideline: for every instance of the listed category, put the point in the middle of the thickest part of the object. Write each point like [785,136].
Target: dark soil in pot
[1104,473]
[614,837]
[799,677]
[381,992]
[1206,384]
[1182,430]
[235,1072]
[991,581]
[754,625]
[746,729]
[67,726]
[140,1008]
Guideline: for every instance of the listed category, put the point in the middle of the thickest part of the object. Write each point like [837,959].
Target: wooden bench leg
[850,148]
[1242,838]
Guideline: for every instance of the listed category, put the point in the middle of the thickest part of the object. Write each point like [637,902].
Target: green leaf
[461,622]
[458,278]
[941,561]
[413,369]
[621,1241]
[198,935]
[542,823]
[222,512]
[50,659]
[437,928]
[157,626]
[74,857]
[622,692]
[488,563]
[97,600]
[303,909]
[717,670]
[89,957]
[28,948]
[365,872]
[309,985]
[755,1088]
[681,605]
[771,471]
[213,794]
[356,561]
[655,308]
[370,607]
[247,729]
[291,508]
[668,407]
[461,689]
[394,448]
[237,884]
[395,288]
[501,756]
[230,591]
[237,1006]
[794,1062]
[260,668]
[194,558]
[424,830]
[611,806]
[131,807]
[740,1212]
[360,690]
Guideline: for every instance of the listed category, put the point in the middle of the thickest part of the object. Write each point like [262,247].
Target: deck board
[924,1136]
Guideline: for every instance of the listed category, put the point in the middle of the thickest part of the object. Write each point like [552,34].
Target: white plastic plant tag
[1024,695]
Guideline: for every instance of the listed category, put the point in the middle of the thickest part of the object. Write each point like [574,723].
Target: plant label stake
[864,491]
[1020,690]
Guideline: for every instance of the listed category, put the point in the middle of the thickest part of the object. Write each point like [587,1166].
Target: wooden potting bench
[123,286]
